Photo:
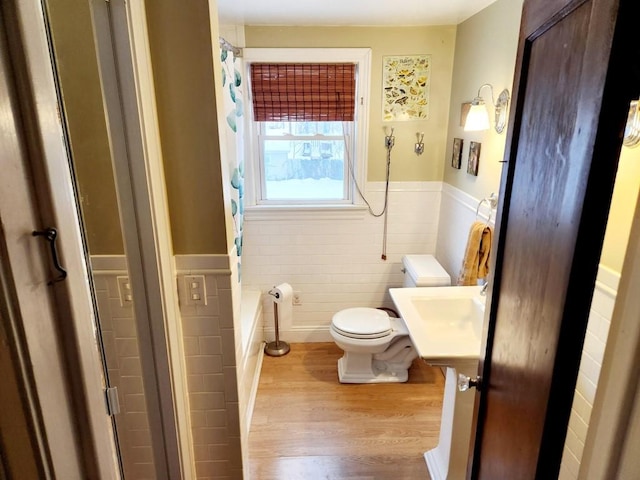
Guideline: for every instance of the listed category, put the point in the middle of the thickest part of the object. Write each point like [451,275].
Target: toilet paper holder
[279,347]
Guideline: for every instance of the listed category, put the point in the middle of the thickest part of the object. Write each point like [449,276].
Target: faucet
[484,288]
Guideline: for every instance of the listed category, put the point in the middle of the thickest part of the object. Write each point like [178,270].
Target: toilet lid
[362,322]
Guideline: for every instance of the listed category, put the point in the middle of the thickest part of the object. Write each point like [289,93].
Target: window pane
[304,169]
[303,128]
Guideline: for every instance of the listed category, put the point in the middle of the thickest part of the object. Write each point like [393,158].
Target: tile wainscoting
[604,298]
[222,358]
[120,341]
[335,263]
[457,213]
[220,372]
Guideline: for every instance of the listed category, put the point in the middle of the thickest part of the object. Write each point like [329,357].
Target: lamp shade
[478,117]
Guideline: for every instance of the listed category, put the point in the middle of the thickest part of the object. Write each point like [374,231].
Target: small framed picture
[474,158]
[456,157]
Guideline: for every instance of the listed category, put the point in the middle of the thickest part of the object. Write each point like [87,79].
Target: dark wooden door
[575,75]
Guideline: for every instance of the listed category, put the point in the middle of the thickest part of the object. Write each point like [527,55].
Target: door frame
[57,206]
[47,158]
[120,30]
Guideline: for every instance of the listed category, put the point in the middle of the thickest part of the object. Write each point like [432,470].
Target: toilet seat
[363,323]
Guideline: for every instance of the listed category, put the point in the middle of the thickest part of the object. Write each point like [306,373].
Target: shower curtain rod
[225,45]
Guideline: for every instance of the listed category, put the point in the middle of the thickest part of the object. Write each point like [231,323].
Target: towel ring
[492,200]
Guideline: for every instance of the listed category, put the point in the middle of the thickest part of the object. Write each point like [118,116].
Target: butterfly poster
[405,87]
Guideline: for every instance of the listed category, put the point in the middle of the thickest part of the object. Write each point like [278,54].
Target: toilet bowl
[377,347]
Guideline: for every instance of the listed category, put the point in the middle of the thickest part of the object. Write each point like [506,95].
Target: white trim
[214,264]
[468,201]
[108,263]
[254,309]
[608,280]
[304,212]
[253,393]
[361,56]
[306,334]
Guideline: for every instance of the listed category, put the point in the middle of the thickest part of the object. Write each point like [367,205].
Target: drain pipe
[395,349]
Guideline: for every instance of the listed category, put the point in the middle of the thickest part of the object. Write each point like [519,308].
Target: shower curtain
[234,137]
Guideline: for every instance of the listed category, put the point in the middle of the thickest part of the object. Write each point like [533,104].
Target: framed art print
[474,158]
[456,157]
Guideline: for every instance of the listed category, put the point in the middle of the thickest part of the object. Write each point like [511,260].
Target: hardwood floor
[308,426]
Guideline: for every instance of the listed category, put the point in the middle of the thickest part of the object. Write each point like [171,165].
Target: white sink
[444,323]
[445,326]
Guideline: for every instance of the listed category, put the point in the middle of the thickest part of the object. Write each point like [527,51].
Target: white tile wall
[211,351]
[249,353]
[458,211]
[593,351]
[336,263]
[117,324]
[217,354]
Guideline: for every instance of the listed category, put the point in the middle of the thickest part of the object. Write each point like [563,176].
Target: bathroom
[332,263]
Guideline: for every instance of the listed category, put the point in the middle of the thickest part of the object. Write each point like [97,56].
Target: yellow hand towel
[475,263]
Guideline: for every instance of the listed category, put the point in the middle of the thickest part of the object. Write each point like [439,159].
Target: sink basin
[444,323]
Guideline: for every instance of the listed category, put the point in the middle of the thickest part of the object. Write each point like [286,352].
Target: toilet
[377,347]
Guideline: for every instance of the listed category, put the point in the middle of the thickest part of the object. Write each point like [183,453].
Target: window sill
[304,212]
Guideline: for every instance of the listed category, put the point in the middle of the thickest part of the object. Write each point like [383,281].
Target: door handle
[50,234]
[465,383]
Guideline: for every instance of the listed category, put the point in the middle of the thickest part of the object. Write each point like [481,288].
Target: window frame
[254,205]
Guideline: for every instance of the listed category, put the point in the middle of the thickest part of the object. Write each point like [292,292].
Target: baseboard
[308,334]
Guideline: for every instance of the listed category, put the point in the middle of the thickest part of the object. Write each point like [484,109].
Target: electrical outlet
[195,290]
[124,290]
[297,299]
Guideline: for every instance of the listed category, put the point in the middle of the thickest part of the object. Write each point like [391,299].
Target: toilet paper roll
[282,293]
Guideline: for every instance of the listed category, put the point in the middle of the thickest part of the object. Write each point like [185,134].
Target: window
[305,161]
[309,120]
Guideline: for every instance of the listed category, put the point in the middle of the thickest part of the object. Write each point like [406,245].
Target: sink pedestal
[448,461]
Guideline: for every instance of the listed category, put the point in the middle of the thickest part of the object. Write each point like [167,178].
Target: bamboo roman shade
[303,92]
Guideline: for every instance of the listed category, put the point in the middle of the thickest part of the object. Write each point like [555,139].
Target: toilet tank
[424,271]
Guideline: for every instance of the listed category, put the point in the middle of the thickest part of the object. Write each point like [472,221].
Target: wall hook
[419,146]
[389,139]
[50,234]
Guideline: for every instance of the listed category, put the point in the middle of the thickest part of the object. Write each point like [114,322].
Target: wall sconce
[478,116]
[632,128]
[419,146]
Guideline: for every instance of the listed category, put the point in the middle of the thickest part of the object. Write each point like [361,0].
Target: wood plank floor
[308,426]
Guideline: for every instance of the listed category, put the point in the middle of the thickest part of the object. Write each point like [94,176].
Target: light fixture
[478,116]
[632,128]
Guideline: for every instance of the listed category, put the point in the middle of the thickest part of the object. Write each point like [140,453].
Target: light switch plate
[124,290]
[195,290]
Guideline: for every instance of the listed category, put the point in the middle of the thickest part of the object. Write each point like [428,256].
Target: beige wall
[485,52]
[438,42]
[181,52]
[625,194]
[82,97]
